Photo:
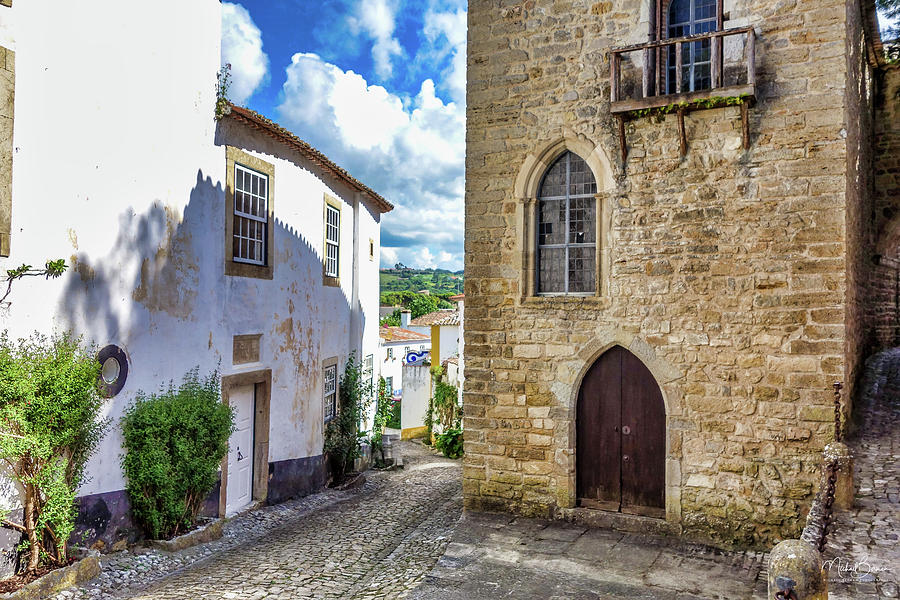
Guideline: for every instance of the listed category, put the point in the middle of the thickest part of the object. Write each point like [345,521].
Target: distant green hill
[438,282]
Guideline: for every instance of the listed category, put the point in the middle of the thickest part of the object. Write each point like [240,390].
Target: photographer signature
[849,570]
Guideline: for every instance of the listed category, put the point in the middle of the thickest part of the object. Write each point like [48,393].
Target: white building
[190,241]
[443,327]
[395,344]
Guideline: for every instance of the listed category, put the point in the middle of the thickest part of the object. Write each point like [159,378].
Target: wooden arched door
[621,437]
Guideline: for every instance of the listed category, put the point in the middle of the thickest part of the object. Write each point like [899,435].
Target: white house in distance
[227,244]
[443,327]
[396,343]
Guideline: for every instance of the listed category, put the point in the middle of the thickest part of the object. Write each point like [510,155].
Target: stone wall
[859,114]
[7,98]
[884,300]
[723,270]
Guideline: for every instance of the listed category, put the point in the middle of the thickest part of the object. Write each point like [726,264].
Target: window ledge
[566,299]
[713,98]
[331,281]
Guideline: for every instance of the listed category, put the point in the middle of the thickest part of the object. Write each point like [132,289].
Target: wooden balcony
[733,76]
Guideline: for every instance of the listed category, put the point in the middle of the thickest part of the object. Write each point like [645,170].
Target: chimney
[404,318]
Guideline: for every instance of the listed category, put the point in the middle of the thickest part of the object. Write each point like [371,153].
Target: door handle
[240,456]
[616,429]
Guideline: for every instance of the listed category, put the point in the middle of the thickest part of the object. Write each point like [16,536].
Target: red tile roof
[446,316]
[398,334]
[273,129]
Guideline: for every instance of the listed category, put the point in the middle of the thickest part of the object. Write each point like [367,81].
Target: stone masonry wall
[7,96]
[859,113]
[884,299]
[725,271]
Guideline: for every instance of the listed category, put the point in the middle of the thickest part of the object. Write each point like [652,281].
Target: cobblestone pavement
[371,543]
[863,553]
[501,556]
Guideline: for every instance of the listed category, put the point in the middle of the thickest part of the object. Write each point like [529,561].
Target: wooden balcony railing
[655,71]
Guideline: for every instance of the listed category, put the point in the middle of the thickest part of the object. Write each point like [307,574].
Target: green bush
[174,443]
[50,425]
[382,418]
[450,443]
[343,437]
[394,421]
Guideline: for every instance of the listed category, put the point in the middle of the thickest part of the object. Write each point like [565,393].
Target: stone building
[670,359]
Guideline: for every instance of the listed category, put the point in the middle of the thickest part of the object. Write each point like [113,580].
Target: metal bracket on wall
[622,145]
[745,125]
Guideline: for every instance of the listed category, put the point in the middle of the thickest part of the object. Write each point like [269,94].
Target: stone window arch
[541,187]
[567,228]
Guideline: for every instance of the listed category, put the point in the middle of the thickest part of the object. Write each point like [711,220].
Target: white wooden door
[239,492]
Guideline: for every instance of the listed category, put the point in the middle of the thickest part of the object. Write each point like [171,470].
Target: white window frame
[263,221]
[390,352]
[369,367]
[332,241]
[329,392]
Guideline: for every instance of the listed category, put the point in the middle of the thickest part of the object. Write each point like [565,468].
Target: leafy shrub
[383,414]
[49,426]
[450,443]
[342,435]
[394,422]
[443,408]
[174,443]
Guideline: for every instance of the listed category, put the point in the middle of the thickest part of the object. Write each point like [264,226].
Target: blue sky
[378,86]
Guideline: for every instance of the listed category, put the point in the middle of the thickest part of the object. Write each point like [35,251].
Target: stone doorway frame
[666,377]
[262,382]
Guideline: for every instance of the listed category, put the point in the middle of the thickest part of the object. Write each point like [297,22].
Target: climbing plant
[343,438]
[383,413]
[52,269]
[223,83]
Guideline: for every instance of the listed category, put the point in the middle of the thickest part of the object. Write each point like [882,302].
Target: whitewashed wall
[393,367]
[114,153]
[119,169]
[416,393]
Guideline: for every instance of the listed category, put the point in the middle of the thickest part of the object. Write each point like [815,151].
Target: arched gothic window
[690,17]
[567,228]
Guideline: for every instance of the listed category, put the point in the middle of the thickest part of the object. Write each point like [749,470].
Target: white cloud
[377,18]
[242,49]
[446,31]
[410,149]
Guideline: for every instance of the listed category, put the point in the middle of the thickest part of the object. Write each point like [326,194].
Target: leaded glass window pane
[582,263]
[690,17]
[567,228]
[552,270]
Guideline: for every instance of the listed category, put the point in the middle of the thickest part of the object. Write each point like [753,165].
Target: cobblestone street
[378,544]
[375,542]
[864,540]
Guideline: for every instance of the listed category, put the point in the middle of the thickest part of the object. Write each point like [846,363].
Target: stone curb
[59,579]
[207,533]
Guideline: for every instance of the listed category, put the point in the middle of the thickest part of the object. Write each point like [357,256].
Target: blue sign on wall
[415,358]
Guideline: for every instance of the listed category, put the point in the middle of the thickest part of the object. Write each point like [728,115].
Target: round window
[110,371]
[113,370]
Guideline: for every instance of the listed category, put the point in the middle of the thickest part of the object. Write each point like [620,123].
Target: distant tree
[400,266]
[392,320]
[422,305]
